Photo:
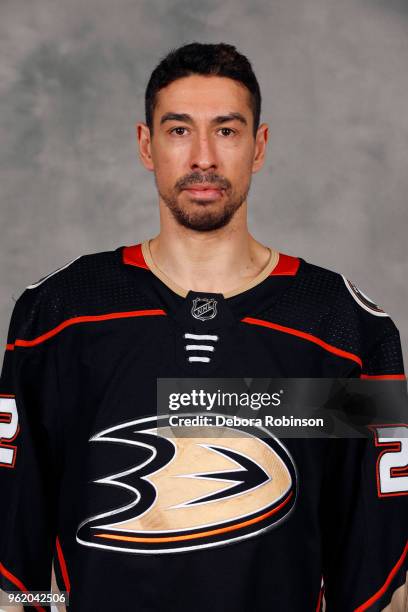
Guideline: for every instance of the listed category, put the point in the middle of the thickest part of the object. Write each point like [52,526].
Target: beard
[199,215]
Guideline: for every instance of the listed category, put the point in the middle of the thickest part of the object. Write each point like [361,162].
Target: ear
[260,147]
[145,145]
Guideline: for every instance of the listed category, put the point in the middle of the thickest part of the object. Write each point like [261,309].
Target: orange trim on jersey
[287,266]
[194,536]
[7,395]
[305,336]
[86,319]
[386,584]
[133,255]
[320,600]
[18,584]
[63,565]
[384,376]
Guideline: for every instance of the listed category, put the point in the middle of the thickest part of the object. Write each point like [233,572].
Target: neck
[216,262]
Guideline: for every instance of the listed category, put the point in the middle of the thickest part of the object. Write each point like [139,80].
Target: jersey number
[8,431]
[392,463]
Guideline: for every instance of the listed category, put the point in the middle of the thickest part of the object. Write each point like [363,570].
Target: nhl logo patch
[204,308]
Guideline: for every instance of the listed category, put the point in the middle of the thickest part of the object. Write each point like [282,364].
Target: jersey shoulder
[347,318]
[89,284]
[335,288]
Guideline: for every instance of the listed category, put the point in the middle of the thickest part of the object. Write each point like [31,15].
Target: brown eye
[175,130]
[229,130]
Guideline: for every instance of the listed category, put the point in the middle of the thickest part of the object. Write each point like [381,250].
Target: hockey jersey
[133,520]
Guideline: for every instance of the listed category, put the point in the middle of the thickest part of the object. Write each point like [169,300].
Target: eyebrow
[215,121]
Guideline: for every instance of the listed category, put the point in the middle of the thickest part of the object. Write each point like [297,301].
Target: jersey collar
[279,264]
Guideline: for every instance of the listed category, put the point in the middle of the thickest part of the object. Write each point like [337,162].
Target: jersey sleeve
[29,460]
[364,504]
[384,359]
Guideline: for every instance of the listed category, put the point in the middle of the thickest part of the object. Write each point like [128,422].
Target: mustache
[219,182]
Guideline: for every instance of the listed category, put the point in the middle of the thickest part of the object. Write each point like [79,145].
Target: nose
[203,155]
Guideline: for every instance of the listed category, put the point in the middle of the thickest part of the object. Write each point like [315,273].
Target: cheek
[166,174]
[235,156]
[169,164]
[239,169]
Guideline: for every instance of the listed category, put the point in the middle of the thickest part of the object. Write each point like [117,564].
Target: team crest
[363,300]
[204,308]
[170,494]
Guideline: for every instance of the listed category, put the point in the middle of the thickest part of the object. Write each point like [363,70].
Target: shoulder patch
[363,300]
[44,278]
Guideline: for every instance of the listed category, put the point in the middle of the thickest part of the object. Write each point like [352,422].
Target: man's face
[203,151]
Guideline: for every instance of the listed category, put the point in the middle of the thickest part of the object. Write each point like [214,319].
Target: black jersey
[133,521]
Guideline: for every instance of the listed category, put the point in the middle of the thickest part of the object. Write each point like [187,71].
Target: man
[225,520]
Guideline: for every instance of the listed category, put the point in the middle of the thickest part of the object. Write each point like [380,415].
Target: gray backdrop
[334,80]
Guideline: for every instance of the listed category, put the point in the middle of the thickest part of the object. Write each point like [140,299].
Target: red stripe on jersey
[386,584]
[305,336]
[286,266]
[133,255]
[63,565]
[320,600]
[18,584]
[86,319]
[384,376]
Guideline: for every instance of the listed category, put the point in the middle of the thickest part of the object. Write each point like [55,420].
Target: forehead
[201,95]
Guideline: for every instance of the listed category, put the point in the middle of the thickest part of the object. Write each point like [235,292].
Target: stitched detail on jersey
[305,336]
[201,349]
[204,308]
[204,534]
[192,493]
[87,319]
[362,299]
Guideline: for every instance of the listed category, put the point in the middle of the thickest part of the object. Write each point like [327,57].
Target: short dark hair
[203,58]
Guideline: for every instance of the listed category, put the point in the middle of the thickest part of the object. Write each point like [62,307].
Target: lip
[204,192]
